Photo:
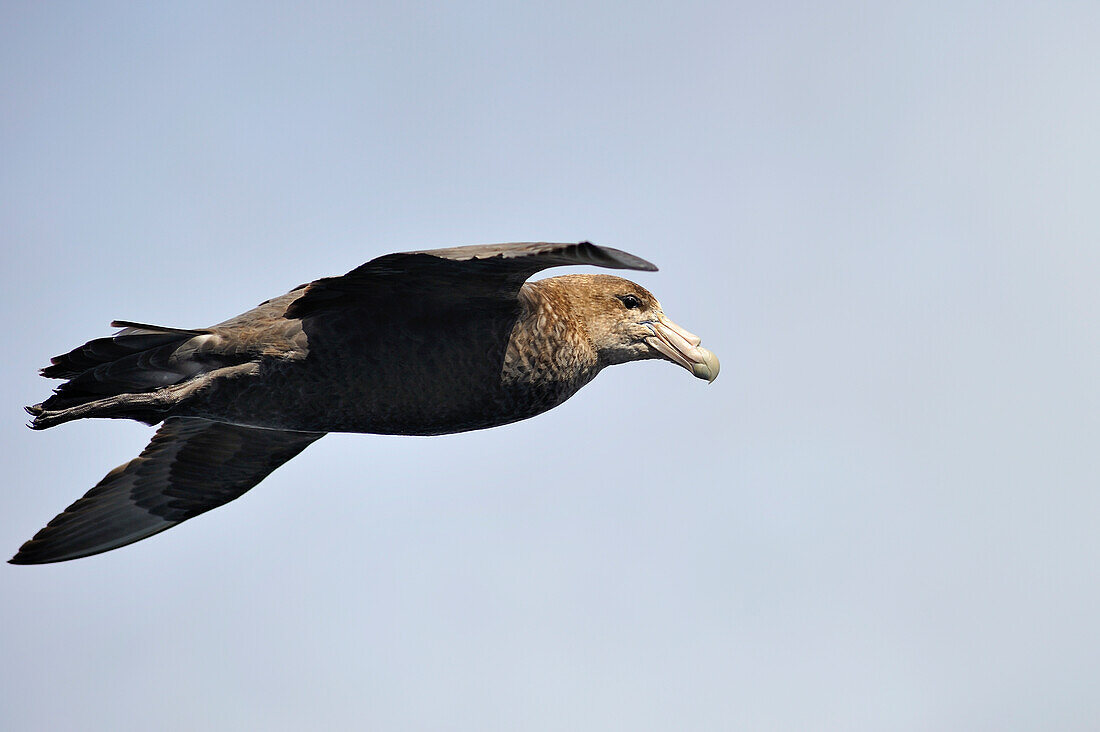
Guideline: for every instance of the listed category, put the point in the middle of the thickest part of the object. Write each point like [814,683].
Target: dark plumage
[419,343]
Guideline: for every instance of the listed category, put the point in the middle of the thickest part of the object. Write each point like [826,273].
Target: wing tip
[37,550]
[27,555]
[56,549]
[618,259]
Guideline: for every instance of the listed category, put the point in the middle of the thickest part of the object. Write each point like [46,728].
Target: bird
[425,342]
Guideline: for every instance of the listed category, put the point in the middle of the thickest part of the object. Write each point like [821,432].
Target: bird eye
[630,301]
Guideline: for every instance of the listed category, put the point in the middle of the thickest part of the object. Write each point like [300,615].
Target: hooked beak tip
[707,367]
[682,347]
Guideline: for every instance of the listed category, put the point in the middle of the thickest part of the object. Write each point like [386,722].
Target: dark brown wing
[530,257]
[482,275]
[190,467]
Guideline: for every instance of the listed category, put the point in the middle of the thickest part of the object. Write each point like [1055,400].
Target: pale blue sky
[882,217]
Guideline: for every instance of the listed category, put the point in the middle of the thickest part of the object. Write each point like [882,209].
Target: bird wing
[530,257]
[190,466]
[453,277]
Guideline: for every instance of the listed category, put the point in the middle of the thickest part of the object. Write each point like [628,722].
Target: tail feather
[136,338]
[137,360]
[133,327]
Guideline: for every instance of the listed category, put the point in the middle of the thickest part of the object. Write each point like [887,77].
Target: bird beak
[682,347]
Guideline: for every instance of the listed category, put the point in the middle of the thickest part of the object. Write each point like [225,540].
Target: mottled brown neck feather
[549,346]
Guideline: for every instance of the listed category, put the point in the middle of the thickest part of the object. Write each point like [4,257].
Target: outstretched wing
[457,276]
[528,258]
[190,466]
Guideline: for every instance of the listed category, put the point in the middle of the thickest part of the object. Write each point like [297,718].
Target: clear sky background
[883,217]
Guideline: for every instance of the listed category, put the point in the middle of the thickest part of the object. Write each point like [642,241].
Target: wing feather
[190,466]
[483,275]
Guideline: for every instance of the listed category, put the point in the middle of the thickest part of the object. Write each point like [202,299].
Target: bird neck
[549,346]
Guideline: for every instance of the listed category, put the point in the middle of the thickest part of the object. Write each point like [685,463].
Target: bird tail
[116,376]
